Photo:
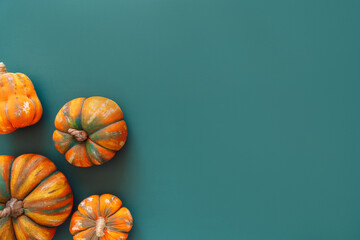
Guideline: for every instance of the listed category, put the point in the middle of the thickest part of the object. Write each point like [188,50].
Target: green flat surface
[243,116]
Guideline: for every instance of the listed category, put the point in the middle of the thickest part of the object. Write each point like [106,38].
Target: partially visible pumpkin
[101,218]
[35,198]
[89,131]
[19,105]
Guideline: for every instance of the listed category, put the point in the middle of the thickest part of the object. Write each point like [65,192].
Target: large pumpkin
[35,198]
[89,131]
[19,104]
[101,218]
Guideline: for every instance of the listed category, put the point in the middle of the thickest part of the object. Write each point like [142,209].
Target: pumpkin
[19,105]
[35,198]
[89,131]
[101,218]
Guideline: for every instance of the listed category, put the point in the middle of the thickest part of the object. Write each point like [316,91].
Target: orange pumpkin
[89,131]
[19,104]
[102,218]
[35,198]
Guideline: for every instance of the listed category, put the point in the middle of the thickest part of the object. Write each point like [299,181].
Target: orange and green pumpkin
[89,131]
[35,198]
[19,105]
[101,218]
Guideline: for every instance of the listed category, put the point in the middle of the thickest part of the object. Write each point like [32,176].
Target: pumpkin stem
[79,135]
[14,208]
[100,225]
[2,68]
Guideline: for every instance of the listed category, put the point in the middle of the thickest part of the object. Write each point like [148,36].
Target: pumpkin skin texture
[89,131]
[19,105]
[35,198]
[101,218]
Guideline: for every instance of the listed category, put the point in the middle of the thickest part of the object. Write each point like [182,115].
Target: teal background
[243,116]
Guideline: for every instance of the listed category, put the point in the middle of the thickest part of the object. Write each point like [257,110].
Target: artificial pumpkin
[89,131]
[19,104]
[101,218]
[35,198]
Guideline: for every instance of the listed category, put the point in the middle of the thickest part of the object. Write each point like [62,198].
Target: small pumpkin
[35,198]
[89,131]
[101,218]
[19,105]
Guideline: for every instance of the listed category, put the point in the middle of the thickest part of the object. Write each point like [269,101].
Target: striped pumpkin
[89,131]
[101,218]
[35,198]
[19,105]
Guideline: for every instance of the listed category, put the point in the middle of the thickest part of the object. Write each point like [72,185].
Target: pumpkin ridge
[86,230]
[48,226]
[27,170]
[112,137]
[88,156]
[109,237]
[12,226]
[83,230]
[34,110]
[84,216]
[109,207]
[102,161]
[68,118]
[96,112]
[6,164]
[107,126]
[101,145]
[22,169]
[92,224]
[47,207]
[7,223]
[81,109]
[8,124]
[112,227]
[71,120]
[23,83]
[27,94]
[7,116]
[48,212]
[10,173]
[53,173]
[75,145]
[33,222]
[70,145]
[66,113]
[62,131]
[71,148]
[62,198]
[114,214]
